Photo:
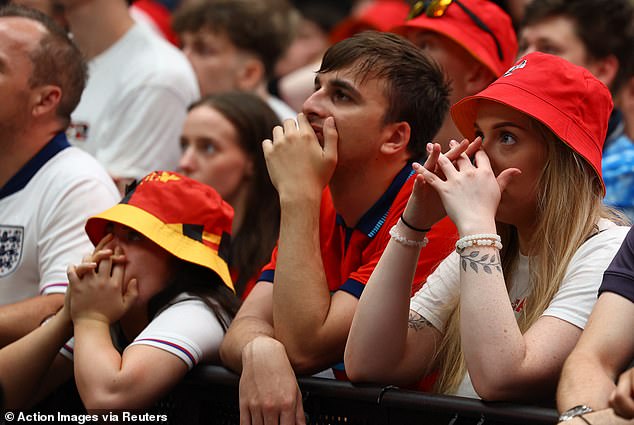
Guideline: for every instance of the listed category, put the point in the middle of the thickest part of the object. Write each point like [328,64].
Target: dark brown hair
[416,88]
[605,27]
[253,120]
[263,28]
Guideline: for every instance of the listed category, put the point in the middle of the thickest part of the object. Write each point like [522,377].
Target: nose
[187,163]
[315,106]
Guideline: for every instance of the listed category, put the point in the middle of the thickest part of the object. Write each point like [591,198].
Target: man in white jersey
[132,111]
[47,188]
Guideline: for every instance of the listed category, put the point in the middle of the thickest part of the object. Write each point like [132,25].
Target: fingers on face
[104,265]
[446,166]
[103,242]
[474,146]
[302,123]
[456,149]
[83,268]
[290,125]
[433,151]
[331,137]
[278,134]
[482,159]
[131,292]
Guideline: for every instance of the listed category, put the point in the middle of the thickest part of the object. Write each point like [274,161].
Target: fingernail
[429,147]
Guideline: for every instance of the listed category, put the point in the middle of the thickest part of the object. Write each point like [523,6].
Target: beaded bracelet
[479,239]
[407,242]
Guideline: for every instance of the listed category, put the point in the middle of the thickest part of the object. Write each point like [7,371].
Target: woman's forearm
[492,343]
[97,364]
[380,324]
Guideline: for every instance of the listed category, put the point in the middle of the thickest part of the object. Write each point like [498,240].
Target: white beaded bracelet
[407,242]
[479,239]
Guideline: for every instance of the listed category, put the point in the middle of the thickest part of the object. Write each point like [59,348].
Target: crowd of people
[284,187]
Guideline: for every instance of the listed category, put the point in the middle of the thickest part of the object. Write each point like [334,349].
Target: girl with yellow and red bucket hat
[499,316]
[154,298]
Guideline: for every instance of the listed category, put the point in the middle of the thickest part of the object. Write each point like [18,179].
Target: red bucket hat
[564,97]
[186,218]
[479,26]
[381,15]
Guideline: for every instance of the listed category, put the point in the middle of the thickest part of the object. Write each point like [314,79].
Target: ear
[251,74]
[397,138]
[45,100]
[605,69]
[477,78]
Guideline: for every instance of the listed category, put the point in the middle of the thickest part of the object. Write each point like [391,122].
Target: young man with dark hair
[235,44]
[343,173]
[47,188]
[598,35]
[595,34]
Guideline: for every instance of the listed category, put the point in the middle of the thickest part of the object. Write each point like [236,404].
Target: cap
[463,29]
[186,218]
[564,97]
[380,15]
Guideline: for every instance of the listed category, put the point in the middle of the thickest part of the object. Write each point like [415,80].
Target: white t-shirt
[43,210]
[573,301]
[187,328]
[132,111]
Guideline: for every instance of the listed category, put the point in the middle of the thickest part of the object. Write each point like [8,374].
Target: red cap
[186,218]
[381,15]
[564,97]
[457,25]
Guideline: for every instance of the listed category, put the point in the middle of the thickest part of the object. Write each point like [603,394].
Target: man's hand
[269,393]
[600,417]
[298,165]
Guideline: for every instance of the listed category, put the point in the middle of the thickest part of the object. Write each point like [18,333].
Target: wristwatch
[573,412]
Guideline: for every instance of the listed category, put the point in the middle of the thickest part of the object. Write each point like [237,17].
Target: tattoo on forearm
[488,262]
[417,322]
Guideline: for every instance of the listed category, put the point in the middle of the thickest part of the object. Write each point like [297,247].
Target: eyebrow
[341,84]
[338,83]
[502,124]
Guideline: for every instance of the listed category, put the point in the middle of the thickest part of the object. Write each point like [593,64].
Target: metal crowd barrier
[209,396]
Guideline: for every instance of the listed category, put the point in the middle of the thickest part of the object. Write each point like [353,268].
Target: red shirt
[350,254]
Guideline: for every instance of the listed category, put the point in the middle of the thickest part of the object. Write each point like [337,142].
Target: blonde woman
[499,316]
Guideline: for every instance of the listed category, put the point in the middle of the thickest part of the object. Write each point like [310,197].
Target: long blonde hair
[569,205]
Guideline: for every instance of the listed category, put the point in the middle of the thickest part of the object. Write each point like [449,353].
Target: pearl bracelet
[479,239]
[407,242]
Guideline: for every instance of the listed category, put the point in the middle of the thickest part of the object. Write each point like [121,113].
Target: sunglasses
[437,8]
